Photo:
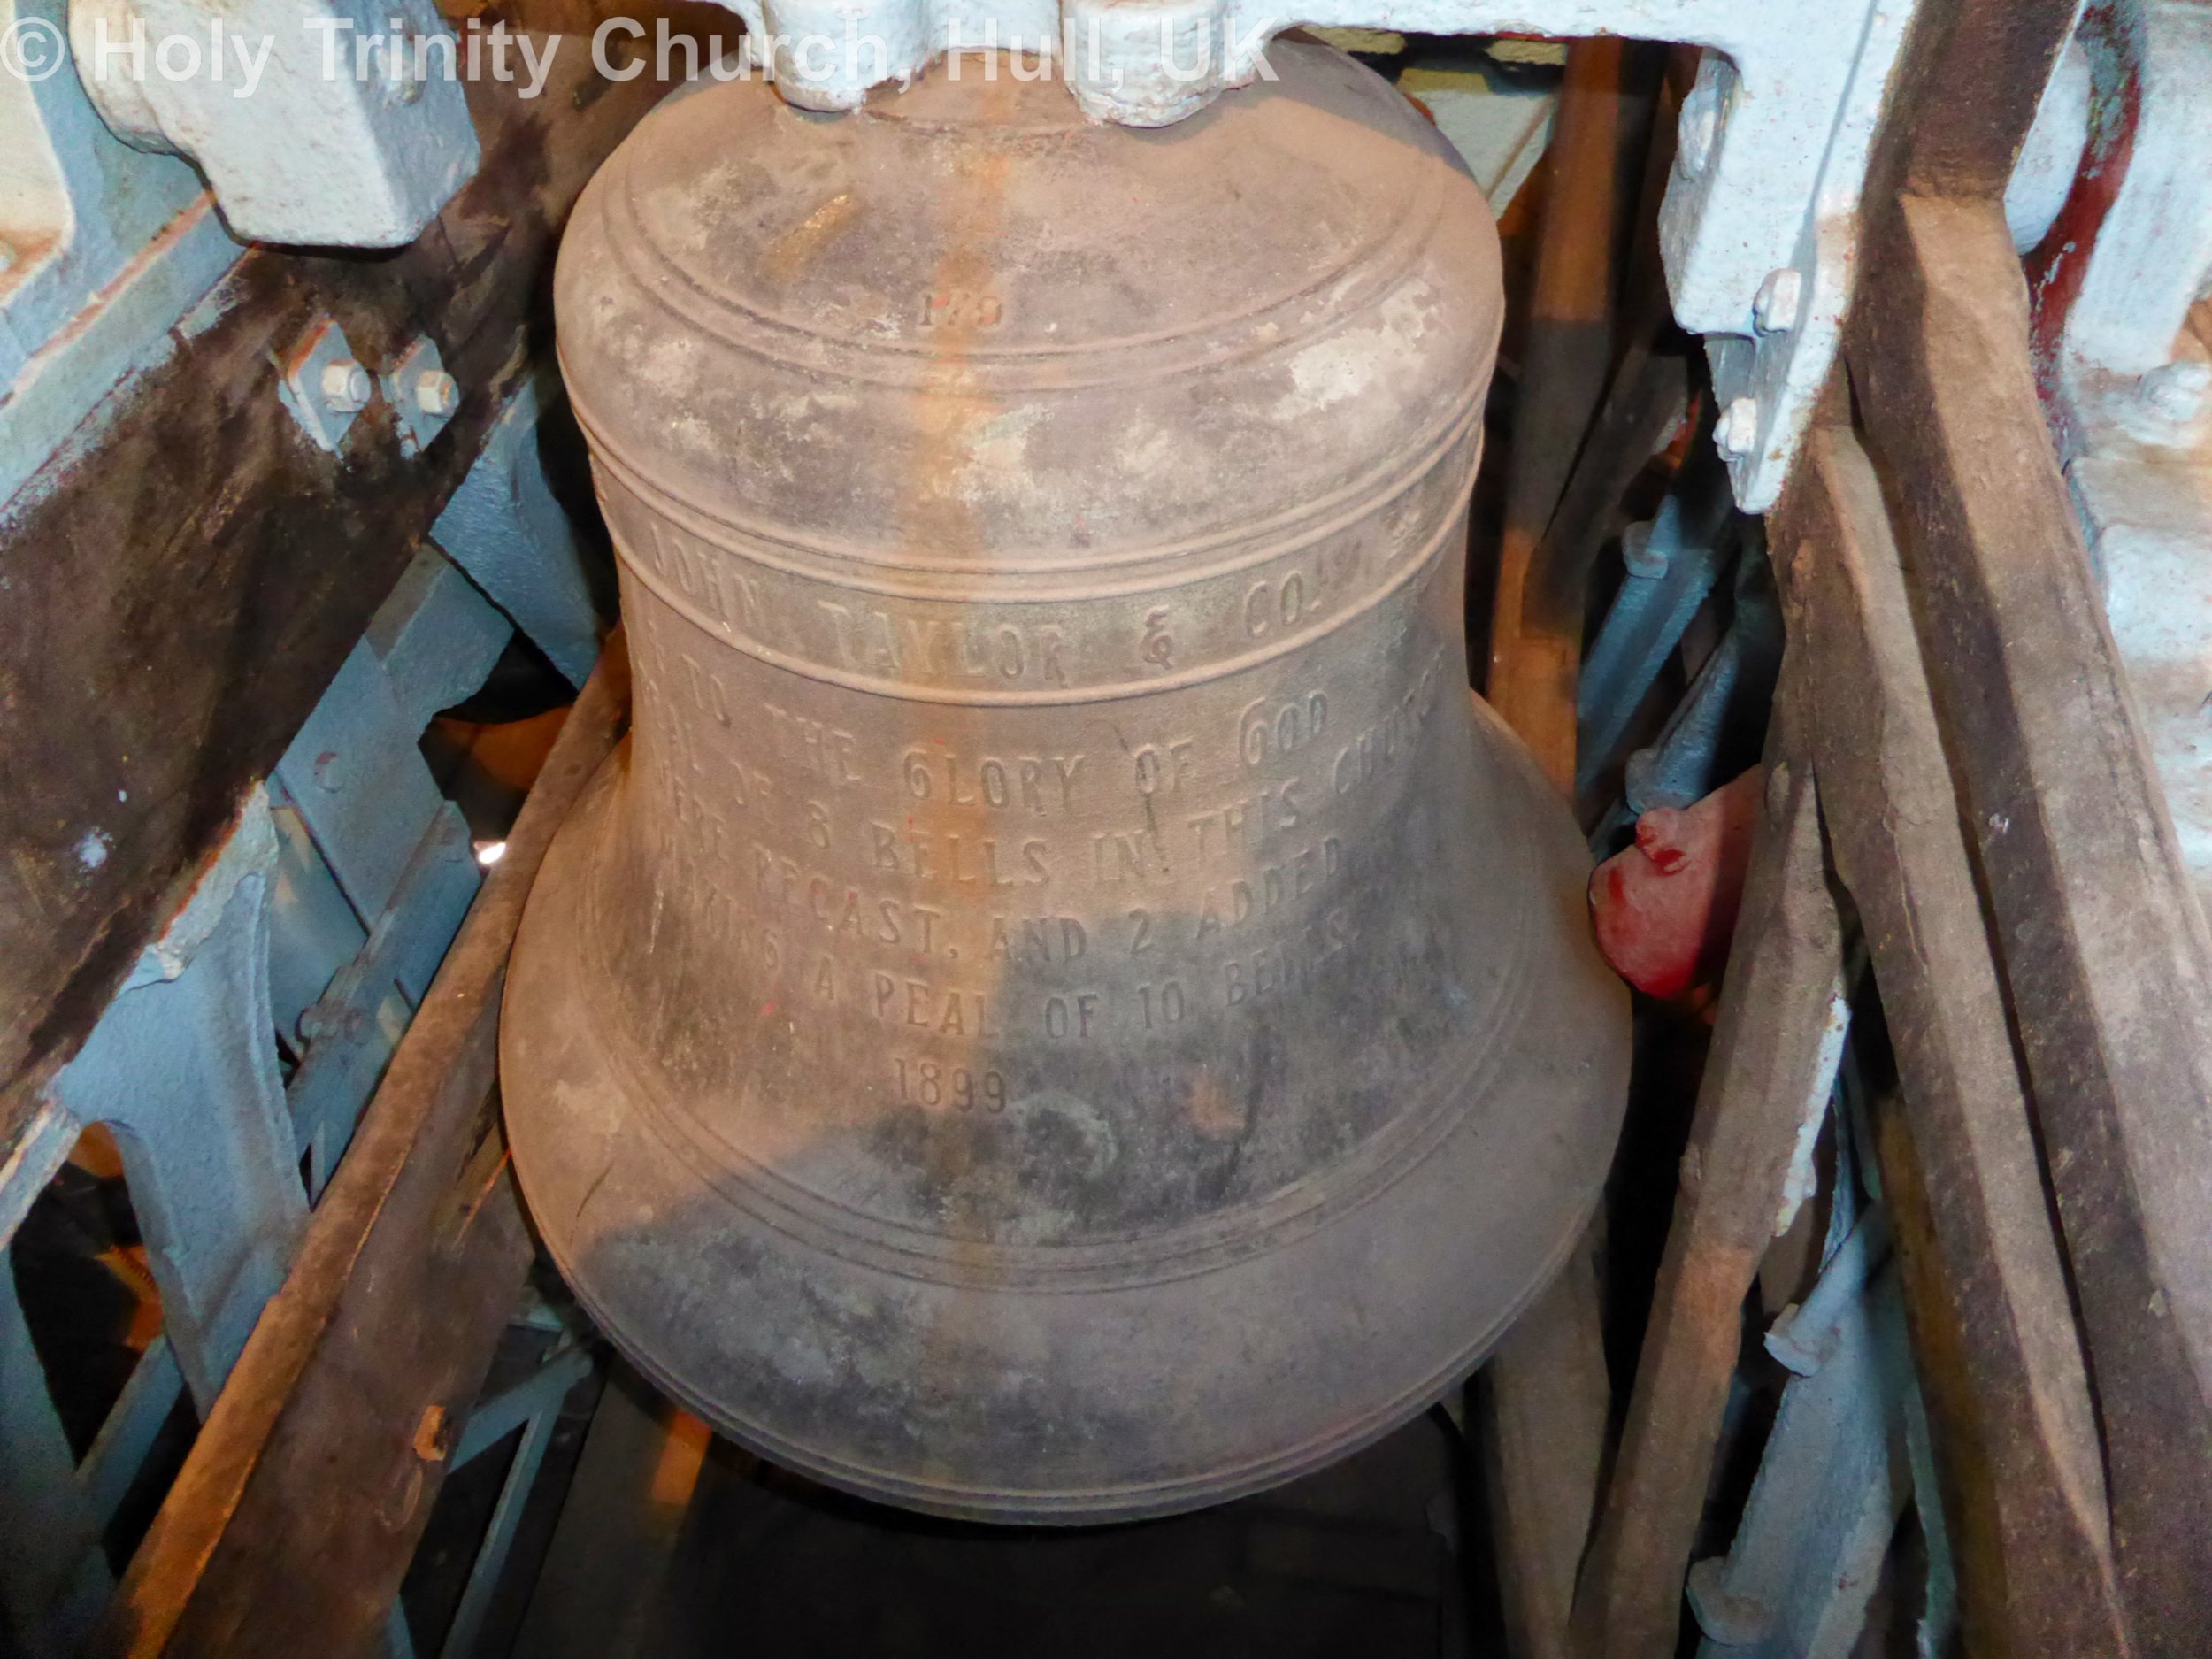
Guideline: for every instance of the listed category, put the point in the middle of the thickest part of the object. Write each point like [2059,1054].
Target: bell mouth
[925,1389]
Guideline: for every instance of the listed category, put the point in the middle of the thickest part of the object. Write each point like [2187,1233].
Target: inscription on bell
[1082,635]
[1036,784]
[945,648]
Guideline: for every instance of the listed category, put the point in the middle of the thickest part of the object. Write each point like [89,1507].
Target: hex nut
[437,393]
[1781,302]
[1639,557]
[323,384]
[422,393]
[1738,428]
[1699,129]
[346,387]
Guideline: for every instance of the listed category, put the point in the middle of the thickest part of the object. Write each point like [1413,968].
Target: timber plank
[1993,1324]
[1773,1045]
[1534,654]
[1545,1397]
[2105,955]
[1544,1401]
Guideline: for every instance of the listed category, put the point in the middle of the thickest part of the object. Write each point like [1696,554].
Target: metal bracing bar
[1671,565]
[1720,716]
[532,1405]
[491,1555]
[352,1030]
[495,1419]
[119,1451]
[1834,1479]
[53,1578]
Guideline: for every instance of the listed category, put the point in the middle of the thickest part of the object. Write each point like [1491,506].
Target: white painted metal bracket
[1760,219]
[317,122]
[2152,258]
[2132,391]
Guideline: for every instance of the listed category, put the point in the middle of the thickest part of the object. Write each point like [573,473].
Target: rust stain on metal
[799,247]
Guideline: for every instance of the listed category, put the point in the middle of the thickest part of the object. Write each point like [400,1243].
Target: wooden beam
[2108,964]
[1647,397]
[1544,1404]
[1545,1398]
[1630,1598]
[1969,80]
[294,1518]
[1774,1044]
[602,1589]
[1566,362]
[184,578]
[1992,1320]
[1648,385]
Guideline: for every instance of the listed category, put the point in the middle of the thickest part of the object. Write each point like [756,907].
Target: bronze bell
[1063,1008]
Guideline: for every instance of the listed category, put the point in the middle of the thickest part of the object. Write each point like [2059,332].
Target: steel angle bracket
[323,123]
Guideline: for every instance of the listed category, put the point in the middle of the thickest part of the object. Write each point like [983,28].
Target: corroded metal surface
[1064,1009]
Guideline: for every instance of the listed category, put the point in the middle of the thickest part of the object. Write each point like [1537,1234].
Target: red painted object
[1665,909]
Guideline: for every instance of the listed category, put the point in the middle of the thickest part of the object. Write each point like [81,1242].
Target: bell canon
[1063,1008]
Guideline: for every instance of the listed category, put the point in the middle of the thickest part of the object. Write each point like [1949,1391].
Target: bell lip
[1092,1506]
[1602,1101]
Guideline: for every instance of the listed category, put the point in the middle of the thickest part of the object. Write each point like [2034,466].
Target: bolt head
[1738,428]
[1781,301]
[437,394]
[346,386]
[2179,392]
[1699,128]
[1640,558]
